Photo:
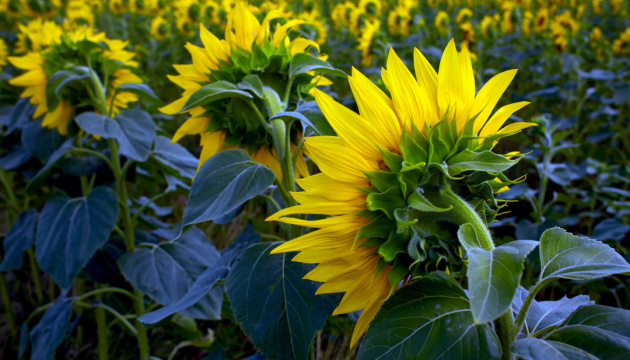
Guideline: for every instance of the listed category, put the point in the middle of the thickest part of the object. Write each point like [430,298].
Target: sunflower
[160,28]
[78,14]
[40,66]
[218,59]
[441,21]
[41,9]
[370,29]
[36,35]
[372,238]
[398,20]
[4,52]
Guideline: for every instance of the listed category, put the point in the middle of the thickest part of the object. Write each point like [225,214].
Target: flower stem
[35,272]
[129,239]
[8,306]
[101,332]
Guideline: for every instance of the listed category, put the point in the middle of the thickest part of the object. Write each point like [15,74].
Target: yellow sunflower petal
[338,161]
[489,96]
[496,121]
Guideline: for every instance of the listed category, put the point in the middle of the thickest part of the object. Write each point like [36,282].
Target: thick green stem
[8,306]
[101,332]
[35,273]
[129,238]
[507,334]
[463,213]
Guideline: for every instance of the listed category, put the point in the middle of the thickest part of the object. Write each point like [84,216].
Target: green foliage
[19,239]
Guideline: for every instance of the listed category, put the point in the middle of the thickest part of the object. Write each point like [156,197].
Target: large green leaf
[563,255]
[214,92]
[59,80]
[167,272]
[314,122]
[601,331]
[133,129]
[302,63]
[175,157]
[274,305]
[18,240]
[40,176]
[494,276]
[208,279]
[468,160]
[543,315]
[71,230]
[537,349]
[225,182]
[51,330]
[142,90]
[429,319]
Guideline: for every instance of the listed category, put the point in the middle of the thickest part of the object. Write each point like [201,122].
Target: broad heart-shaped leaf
[543,315]
[174,156]
[48,334]
[275,306]
[19,239]
[537,349]
[429,318]
[71,230]
[142,90]
[494,276]
[133,129]
[314,121]
[39,178]
[224,182]
[16,156]
[566,256]
[213,92]
[208,279]
[59,80]
[602,331]
[468,160]
[303,62]
[167,272]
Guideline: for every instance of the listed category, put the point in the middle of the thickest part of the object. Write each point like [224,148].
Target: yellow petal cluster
[423,100]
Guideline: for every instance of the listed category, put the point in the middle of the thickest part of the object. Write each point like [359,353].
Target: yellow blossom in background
[442,21]
[542,20]
[596,5]
[118,6]
[335,245]
[36,35]
[464,15]
[4,52]
[596,34]
[160,28]
[486,23]
[365,42]
[371,8]
[78,14]
[40,9]
[619,45]
[40,66]
[468,34]
[243,30]
[398,21]
[526,25]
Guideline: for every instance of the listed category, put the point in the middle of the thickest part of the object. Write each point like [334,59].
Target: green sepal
[417,201]
[417,249]
[403,219]
[393,161]
[398,272]
[419,138]
[383,180]
[468,160]
[483,191]
[409,177]
[488,141]
[373,242]
[380,227]
[412,152]
[253,84]
[386,202]
[259,59]
[380,265]
[438,148]
[395,244]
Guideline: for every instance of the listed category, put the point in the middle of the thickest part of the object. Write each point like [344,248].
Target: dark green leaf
[167,272]
[274,305]
[253,84]
[601,331]
[213,92]
[39,178]
[18,240]
[537,349]
[611,229]
[17,155]
[133,129]
[563,255]
[224,182]
[494,277]
[142,90]
[468,160]
[51,330]
[314,119]
[174,156]
[417,201]
[71,230]
[59,80]
[302,63]
[429,318]
[468,237]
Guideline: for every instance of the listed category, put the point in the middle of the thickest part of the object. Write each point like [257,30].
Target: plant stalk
[7,305]
[101,333]
[35,271]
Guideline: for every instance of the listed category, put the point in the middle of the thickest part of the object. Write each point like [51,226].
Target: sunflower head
[255,57]
[56,77]
[401,178]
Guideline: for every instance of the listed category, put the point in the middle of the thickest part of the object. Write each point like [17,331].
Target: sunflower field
[299,179]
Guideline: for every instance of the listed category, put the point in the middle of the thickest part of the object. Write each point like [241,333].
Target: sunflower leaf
[429,318]
[302,63]
[468,160]
[214,92]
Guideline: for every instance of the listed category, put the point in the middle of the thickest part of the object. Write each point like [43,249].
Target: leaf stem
[520,318]
[35,272]
[8,306]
